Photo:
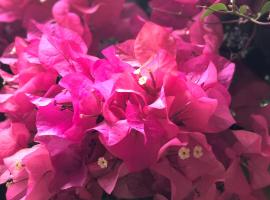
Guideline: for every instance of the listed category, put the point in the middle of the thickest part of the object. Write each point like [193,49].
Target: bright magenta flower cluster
[149,116]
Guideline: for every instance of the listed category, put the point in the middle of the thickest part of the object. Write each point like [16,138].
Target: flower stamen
[197,151]
[102,163]
[184,153]
[137,71]
[18,165]
[142,80]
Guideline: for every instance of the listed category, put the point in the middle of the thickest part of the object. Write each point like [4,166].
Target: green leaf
[243,9]
[265,8]
[214,8]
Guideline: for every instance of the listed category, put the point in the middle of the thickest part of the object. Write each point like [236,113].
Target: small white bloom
[102,163]
[18,165]
[142,80]
[198,151]
[184,153]
[137,71]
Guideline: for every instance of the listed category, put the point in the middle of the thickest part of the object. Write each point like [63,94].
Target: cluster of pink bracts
[149,116]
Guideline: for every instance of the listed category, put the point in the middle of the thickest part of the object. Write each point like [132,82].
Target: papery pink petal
[109,181]
[222,118]
[59,47]
[250,142]
[233,185]
[51,120]
[13,138]
[40,173]
[258,167]
[177,180]
[145,47]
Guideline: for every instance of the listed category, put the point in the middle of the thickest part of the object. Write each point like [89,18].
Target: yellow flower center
[184,153]
[198,151]
[142,80]
[102,163]
[18,165]
[137,71]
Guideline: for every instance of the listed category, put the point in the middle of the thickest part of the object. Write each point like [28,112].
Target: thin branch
[193,20]
[236,13]
[231,12]
[252,19]
[167,11]
[251,37]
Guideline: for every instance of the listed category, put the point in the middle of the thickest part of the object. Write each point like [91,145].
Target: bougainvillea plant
[115,99]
